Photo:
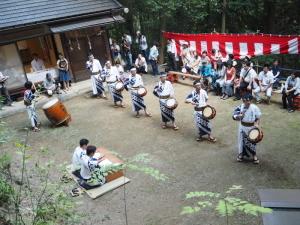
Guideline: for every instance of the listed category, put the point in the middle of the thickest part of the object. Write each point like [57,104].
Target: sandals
[164,126]
[36,129]
[199,139]
[212,139]
[122,106]
[75,192]
[239,158]
[255,160]
[137,116]
[175,128]
[148,115]
[65,178]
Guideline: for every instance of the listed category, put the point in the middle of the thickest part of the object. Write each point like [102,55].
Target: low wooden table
[111,157]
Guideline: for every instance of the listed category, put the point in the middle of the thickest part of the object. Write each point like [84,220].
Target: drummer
[97,81]
[112,76]
[164,90]
[249,116]
[198,98]
[29,102]
[133,83]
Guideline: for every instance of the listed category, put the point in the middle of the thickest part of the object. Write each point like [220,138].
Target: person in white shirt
[77,156]
[50,86]
[141,40]
[198,98]
[249,116]
[132,84]
[171,51]
[265,80]
[141,64]
[112,76]
[248,79]
[3,91]
[153,58]
[88,166]
[95,68]
[37,64]
[290,90]
[116,51]
[164,90]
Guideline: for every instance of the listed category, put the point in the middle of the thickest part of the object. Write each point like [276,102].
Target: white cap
[3,78]
[133,69]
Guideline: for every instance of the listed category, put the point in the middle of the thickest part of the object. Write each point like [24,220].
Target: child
[29,96]
[77,156]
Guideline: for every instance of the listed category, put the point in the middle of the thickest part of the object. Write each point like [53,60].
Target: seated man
[90,176]
[77,156]
[206,73]
[141,64]
[4,92]
[50,85]
[291,89]
[265,81]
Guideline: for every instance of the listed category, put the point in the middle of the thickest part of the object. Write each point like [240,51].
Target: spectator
[206,73]
[50,85]
[171,51]
[204,58]
[141,40]
[216,58]
[4,92]
[276,70]
[126,48]
[228,81]
[37,64]
[195,61]
[116,51]
[291,89]
[63,67]
[153,58]
[220,75]
[266,80]
[141,64]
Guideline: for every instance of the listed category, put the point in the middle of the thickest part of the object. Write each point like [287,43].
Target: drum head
[141,91]
[254,134]
[171,102]
[207,111]
[50,103]
[119,85]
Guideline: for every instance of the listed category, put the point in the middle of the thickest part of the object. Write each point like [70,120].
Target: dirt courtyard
[190,166]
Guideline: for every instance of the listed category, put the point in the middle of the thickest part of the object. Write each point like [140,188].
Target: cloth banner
[239,45]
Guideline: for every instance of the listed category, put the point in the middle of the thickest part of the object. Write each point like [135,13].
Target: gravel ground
[190,166]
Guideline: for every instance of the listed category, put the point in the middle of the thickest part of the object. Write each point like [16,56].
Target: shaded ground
[191,166]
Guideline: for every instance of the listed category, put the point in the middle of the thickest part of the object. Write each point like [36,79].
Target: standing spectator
[3,91]
[171,51]
[228,81]
[216,58]
[126,47]
[195,61]
[116,51]
[266,80]
[141,64]
[276,70]
[153,58]
[37,64]
[63,67]
[141,40]
[291,89]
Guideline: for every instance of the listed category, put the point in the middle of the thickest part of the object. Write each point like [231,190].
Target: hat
[3,78]
[133,69]
[197,82]
[247,97]
[107,62]
[163,74]
[184,43]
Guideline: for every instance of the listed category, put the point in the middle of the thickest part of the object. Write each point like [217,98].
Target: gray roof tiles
[21,12]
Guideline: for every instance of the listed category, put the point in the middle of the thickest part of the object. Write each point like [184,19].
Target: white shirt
[37,65]
[141,62]
[153,53]
[248,76]
[112,74]
[135,81]
[199,98]
[77,158]
[295,83]
[95,66]
[164,89]
[251,114]
[87,166]
[171,47]
[266,78]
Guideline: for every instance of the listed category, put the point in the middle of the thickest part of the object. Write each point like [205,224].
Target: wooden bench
[173,76]
[113,180]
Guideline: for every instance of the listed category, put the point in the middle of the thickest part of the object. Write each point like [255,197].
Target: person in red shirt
[228,80]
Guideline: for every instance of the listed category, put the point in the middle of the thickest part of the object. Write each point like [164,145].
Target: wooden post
[224,7]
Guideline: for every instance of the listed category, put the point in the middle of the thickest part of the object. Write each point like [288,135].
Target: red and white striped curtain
[239,44]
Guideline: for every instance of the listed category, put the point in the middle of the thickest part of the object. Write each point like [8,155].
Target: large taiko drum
[172,103]
[141,91]
[255,135]
[56,112]
[209,112]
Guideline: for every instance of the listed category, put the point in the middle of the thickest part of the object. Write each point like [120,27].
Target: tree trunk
[163,26]
[224,7]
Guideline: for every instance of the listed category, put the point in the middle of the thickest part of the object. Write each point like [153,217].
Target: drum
[56,112]
[209,112]
[171,103]
[119,86]
[142,91]
[255,135]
